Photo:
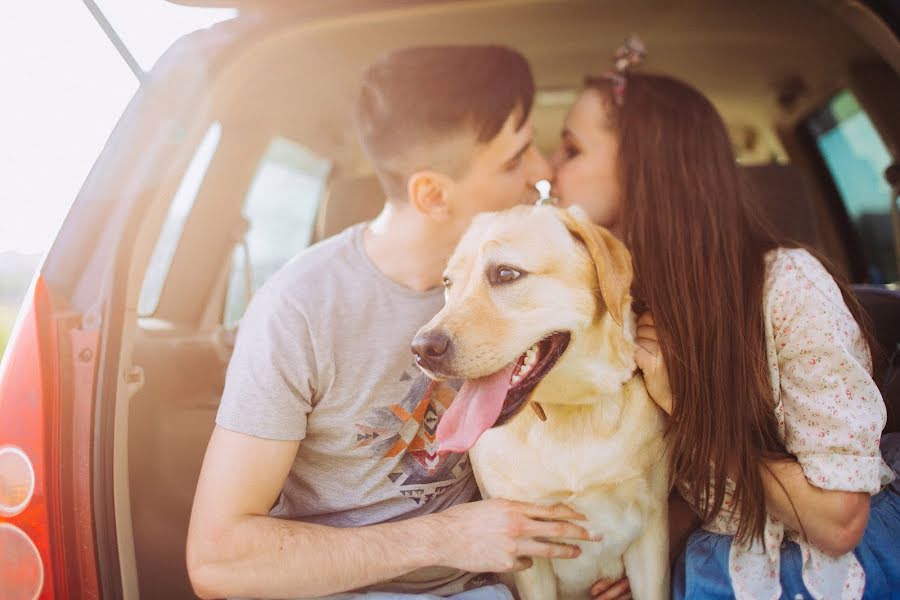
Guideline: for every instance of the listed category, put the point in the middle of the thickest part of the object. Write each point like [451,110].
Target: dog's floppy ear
[612,260]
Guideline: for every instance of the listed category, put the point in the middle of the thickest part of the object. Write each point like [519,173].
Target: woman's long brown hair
[698,249]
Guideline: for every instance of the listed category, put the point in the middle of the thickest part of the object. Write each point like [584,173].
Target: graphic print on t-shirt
[407,429]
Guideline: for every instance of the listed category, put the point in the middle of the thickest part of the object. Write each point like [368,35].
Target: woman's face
[585,164]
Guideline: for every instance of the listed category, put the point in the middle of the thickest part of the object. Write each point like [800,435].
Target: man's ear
[611,258]
[429,192]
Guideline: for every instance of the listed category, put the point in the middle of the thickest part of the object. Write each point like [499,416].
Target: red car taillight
[33,462]
[28,384]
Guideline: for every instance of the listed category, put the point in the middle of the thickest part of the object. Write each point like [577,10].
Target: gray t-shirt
[323,356]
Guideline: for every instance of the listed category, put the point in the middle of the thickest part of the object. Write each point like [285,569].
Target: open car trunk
[266,162]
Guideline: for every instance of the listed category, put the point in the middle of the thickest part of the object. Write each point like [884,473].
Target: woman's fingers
[645,353]
[646,331]
[610,589]
[522,563]
[603,585]
[625,596]
[647,341]
[645,319]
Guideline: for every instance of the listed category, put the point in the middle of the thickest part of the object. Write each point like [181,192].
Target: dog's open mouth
[531,367]
[494,399]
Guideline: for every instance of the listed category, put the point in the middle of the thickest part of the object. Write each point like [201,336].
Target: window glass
[281,208]
[857,158]
[181,207]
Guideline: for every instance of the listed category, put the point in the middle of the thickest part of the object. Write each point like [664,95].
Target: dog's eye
[504,275]
[447,282]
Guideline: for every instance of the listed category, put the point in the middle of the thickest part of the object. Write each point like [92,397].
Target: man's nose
[430,347]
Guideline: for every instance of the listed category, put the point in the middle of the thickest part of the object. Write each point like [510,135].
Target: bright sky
[64,86]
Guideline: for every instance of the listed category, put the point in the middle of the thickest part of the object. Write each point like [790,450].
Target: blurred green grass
[16,272]
[7,319]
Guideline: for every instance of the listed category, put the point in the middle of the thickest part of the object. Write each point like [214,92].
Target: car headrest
[883,309]
[350,200]
[782,197]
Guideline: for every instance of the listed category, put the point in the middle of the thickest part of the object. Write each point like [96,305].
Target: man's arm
[235,549]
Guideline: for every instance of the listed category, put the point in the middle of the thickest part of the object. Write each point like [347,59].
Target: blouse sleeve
[833,412]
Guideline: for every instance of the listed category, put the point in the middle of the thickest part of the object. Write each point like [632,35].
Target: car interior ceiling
[300,82]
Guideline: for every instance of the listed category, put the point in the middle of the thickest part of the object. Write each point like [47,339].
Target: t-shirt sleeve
[271,378]
[833,412]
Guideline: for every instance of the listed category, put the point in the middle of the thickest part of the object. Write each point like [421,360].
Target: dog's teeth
[516,379]
[529,358]
[524,368]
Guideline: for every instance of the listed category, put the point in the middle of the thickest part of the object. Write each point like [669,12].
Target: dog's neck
[597,363]
[589,382]
[603,416]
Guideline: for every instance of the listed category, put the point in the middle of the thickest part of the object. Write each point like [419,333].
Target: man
[322,475]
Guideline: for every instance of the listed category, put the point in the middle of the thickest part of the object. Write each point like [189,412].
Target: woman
[752,349]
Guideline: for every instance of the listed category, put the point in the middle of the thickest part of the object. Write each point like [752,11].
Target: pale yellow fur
[601,448]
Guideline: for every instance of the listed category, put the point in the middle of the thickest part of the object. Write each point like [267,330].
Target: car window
[281,207]
[181,207]
[857,158]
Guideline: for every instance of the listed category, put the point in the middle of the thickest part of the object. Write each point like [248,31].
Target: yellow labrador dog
[538,312]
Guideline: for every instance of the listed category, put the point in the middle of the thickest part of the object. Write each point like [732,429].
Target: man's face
[501,174]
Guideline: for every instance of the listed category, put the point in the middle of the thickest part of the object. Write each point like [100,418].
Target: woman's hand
[649,358]
[610,589]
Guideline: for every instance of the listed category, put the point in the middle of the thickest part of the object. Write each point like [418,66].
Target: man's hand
[499,536]
[649,358]
[610,589]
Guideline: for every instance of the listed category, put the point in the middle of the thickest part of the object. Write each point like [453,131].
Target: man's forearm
[832,520]
[263,556]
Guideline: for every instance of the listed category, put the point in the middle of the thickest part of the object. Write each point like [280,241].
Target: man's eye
[504,274]
[447,282]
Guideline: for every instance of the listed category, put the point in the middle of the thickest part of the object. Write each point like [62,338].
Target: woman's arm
[833,521]
[832,412]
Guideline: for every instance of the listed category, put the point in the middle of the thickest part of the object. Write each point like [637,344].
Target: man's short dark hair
[414,100]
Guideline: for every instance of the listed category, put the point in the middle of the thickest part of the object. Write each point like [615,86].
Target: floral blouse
[830,415]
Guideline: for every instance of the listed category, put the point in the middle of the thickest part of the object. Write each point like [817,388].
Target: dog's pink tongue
[475,408]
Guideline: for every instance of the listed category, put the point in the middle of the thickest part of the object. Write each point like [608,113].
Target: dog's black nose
[430,346]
